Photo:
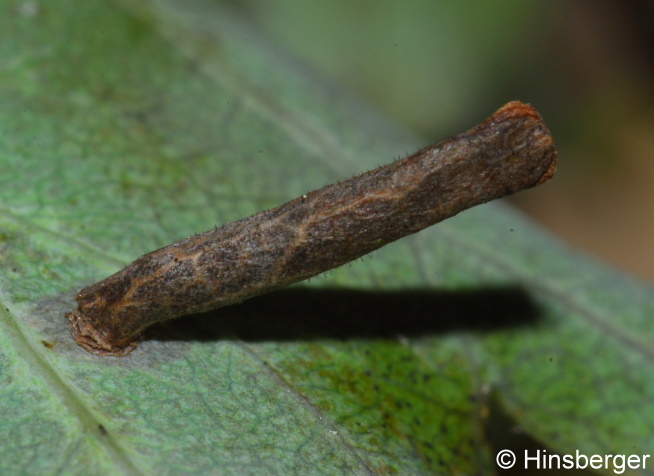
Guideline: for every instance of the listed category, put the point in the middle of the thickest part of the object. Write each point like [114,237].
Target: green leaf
[125,126]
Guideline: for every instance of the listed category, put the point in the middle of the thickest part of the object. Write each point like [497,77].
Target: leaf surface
[125,126]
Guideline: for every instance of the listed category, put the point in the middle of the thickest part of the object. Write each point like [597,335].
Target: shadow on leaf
[307,313]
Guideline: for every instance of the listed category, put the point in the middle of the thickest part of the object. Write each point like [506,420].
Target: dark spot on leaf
[46,344]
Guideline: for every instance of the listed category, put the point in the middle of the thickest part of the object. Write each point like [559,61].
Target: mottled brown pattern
[511,151]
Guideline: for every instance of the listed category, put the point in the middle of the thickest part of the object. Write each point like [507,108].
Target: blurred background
[441,67]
